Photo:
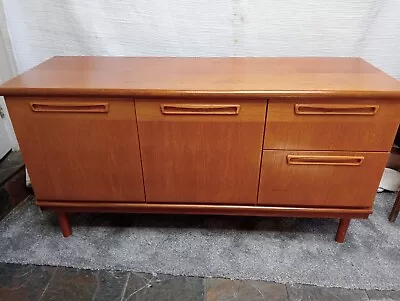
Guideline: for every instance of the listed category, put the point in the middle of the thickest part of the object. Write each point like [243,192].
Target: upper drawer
[311,125]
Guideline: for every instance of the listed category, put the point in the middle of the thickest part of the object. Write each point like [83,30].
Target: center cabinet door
[201,152]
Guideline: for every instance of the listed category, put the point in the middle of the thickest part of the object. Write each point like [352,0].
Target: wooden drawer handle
[199,109]
[325,160]
[333,109]
[69,107]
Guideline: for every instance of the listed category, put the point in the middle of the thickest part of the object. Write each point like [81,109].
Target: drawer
[320,179]
[310,125]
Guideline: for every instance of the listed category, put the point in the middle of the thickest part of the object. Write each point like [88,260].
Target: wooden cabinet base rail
[291,137]
[344,214]
[203,209]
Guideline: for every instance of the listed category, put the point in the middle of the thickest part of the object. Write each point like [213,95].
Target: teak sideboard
[301,137]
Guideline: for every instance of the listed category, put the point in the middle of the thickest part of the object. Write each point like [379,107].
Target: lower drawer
[323,179]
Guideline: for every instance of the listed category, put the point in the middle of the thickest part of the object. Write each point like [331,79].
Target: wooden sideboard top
[211,77]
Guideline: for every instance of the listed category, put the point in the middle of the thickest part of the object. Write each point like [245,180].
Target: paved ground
[20,283]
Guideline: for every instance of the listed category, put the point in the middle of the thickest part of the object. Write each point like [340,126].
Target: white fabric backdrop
[7,70]
[367,28]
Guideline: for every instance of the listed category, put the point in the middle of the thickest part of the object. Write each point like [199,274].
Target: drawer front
[79,148]
[322,179]
[203,153]
[308,125]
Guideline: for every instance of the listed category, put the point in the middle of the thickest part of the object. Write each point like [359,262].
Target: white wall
[7,70]
[366,28]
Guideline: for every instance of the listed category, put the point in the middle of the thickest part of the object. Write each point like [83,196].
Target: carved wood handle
[69,107]
[199,109]
[325,160]
[335,109]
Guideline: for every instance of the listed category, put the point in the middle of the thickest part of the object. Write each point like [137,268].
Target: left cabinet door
[79,149]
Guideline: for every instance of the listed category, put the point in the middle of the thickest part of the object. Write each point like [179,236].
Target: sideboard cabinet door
[82,149]
[201,152]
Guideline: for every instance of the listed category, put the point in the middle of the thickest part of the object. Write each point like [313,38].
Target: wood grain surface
[186,135]
[91,156]
[201,158]
[331,128]
[204,209]
[212,77]
[327,182]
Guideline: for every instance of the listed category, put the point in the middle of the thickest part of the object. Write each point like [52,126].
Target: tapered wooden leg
[342,229]
[395,211]
[64,224]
